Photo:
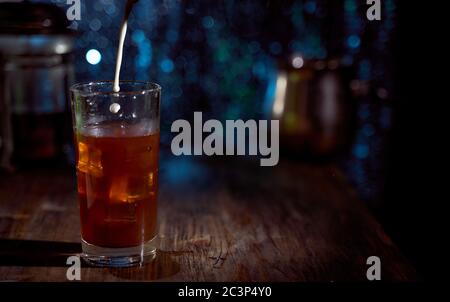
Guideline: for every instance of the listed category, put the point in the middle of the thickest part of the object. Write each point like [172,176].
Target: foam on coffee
[119,129]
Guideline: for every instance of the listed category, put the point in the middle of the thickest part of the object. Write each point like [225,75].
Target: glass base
[118,257]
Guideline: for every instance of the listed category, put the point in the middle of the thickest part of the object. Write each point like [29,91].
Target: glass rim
[77,87]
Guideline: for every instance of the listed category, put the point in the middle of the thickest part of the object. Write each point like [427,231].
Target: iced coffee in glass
[117,146]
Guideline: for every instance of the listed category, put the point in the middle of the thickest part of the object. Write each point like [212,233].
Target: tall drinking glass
[117,144]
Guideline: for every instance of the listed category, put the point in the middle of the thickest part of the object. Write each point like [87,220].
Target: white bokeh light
[93,56]
[297,62]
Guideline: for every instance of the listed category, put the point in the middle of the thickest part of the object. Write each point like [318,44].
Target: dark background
[221,57]
[413,210]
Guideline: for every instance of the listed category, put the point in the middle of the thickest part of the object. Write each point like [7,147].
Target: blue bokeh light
[310,7]
[95,24]
[361,151]
[145,51]
[276,48]
[368,130]
[354,41]
[167,65]
[172,36]
[208,22]
[254,46]
[138,36]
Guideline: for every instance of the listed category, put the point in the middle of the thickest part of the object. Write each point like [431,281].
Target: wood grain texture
[218,221]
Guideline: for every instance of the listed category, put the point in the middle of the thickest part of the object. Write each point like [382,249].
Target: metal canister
[36,70]
[314,103]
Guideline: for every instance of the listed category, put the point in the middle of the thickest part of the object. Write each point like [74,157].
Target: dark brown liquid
[117,188]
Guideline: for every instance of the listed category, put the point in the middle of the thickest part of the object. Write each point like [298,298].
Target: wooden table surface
[218,221]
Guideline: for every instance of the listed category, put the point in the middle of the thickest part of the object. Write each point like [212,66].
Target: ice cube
[151,181]
[83,157]
[120,208]
[95,162]
[132,188]
[89,160]
[118,190]
[138,188]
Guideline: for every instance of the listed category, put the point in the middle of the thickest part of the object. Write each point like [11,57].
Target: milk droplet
[114,108]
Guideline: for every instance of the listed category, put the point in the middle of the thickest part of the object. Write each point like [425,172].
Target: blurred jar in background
[313,101]
[36,71]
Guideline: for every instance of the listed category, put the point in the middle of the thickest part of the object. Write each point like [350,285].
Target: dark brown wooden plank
[218,221]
